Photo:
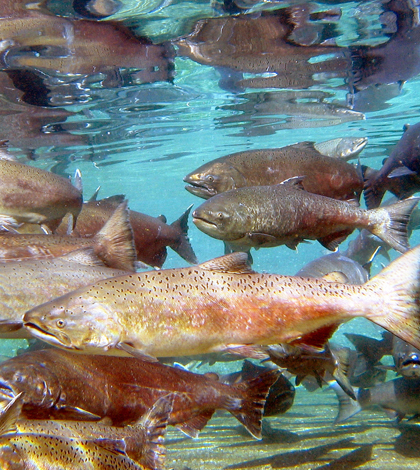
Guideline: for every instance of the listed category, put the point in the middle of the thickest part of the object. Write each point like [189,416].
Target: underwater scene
[209,234]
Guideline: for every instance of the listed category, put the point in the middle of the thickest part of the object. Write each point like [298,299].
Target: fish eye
[210,178]
[60,323]
[220,215]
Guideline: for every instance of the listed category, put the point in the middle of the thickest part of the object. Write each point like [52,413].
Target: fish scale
[226,305]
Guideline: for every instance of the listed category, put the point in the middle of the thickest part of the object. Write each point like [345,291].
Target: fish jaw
[72,323]
[199,189]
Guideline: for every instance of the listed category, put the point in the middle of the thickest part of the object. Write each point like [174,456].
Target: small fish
[398,397]
[406,358]
[222,304]
[346,148]
[30,194]
[404,160]
[328,266]
[320,364]
[113,244]
[123,389]
[323,175]
[285,214]
[25,283]
[151,234]
[55,445]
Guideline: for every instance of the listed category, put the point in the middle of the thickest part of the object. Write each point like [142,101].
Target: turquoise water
[140,136]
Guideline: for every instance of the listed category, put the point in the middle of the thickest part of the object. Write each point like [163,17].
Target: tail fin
[346,406]
[374,189]
[182,245]
[394,230]
[114,243]
[250,409]
[399,287]
[151,452]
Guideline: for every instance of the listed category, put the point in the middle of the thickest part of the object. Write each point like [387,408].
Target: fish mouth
[199,221]
[38,332]
[199,189]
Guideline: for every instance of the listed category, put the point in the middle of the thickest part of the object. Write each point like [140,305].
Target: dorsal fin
[294,182]
[232,263]
[94,196]
[77,180]
[4,152]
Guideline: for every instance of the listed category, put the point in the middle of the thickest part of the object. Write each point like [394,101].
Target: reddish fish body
[151,234]
[29,194]
[323,175]
[61,385]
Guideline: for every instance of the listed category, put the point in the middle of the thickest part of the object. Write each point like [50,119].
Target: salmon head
[213,178]
[74,322]
[222,218]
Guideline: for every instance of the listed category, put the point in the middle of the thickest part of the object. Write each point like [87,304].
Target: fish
[324,175]
[281,395]
[58,445]
[113,244]
[122,389]
[286,214]
[331,361]
[30,194]
[403,162]
[25,283]
[346,148]
[406,358]
[398,397]
[151,234]
[222,304]
[335,266]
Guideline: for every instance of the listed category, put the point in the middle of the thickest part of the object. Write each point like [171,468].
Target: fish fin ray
[399,287]
[332,240]
[182,245]
[394,232]
[116,240]
[317,338]
[346,406]
[193,426]
[129,349]
[236,262]
[85,256]
[251,407]
[10,414]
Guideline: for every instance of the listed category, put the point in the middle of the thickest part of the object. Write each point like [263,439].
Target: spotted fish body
[220,304]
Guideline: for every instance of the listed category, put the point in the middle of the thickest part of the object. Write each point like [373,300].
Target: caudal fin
[394,229]
[347,407]
[151,453]
[249,411]
[114,243]
[182,245]
[398,286]
[374,188]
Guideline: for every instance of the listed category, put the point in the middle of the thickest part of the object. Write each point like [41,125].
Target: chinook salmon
[113,244]
[55,445]
[285,214]
[324,175]
[123,389]
[221,304]
[151,234]
[30,194]
[25,283]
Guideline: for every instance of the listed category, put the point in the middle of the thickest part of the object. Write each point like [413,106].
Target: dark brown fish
[151,234]
[284,214]
[323,175]
[25,283]
[113,244]
[406,358]
[404,162]
[124,389]
[30,194]
[55,445]
[320,364]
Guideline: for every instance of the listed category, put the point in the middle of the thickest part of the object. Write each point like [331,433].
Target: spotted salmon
[222,303]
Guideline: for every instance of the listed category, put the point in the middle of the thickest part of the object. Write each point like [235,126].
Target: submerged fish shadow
[295,457]
[353,459]
[407,443]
